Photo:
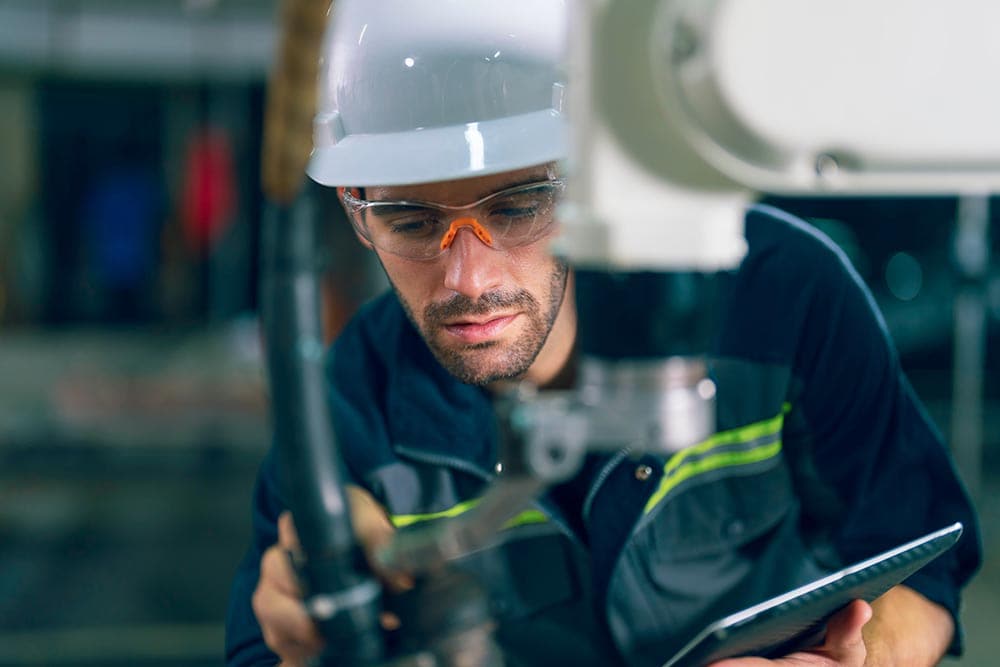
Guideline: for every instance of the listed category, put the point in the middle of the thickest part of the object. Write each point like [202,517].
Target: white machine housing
[682,109]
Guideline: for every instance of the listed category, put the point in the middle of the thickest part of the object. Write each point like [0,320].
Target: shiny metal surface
[659,405]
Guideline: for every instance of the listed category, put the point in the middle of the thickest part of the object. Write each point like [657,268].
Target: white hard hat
[413,91]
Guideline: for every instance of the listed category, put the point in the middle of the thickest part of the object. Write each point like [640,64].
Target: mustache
[459,305]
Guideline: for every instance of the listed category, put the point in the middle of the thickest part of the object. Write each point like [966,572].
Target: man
[442,131]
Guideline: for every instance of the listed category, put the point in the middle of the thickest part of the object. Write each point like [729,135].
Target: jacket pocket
[717,507]
[721,539]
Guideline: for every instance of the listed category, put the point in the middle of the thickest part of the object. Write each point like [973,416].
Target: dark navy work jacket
[822,457]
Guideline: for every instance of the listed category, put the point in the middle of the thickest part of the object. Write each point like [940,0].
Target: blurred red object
[208,195]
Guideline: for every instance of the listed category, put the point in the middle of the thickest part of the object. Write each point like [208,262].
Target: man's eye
[517,210]
[415,227]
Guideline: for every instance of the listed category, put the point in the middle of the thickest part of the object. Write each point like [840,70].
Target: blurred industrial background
[133,408]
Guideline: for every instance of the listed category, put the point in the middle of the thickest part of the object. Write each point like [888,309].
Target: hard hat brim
[443,153]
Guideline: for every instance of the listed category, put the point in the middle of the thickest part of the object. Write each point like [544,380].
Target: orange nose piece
[481,233]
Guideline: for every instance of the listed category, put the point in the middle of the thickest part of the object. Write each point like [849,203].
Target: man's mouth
[471,330]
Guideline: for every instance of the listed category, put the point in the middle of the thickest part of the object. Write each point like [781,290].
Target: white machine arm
[689,106]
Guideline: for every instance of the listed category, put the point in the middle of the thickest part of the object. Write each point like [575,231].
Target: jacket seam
[442,460]
[602,477]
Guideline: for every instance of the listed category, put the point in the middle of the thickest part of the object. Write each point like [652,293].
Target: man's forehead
[460,191]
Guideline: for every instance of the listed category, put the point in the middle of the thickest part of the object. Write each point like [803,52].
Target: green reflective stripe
[709,463]
[524,518]
[401,520]
[746,433]
[681,468]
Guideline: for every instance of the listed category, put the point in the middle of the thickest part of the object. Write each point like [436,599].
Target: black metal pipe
[340,592]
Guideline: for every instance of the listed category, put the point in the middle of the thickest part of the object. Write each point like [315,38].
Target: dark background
[133,409]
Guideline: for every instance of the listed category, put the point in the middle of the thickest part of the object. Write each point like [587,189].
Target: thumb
[375,531]
[371,523]
[844,642]
[287,537]
[843,645]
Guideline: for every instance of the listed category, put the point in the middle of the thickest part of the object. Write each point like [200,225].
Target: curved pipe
[340,592]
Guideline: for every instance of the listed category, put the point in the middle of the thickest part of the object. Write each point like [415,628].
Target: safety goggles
[423,230]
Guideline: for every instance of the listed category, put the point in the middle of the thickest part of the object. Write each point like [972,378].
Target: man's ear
[361,239]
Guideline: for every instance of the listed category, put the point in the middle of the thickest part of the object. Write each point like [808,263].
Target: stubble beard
[492,361]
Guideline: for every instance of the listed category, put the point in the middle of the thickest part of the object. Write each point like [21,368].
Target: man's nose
[472,267]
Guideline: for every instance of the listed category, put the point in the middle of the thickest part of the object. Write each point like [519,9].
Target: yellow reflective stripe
[401,520]
[742,434]
[524,518]
[709,463]
[678,469]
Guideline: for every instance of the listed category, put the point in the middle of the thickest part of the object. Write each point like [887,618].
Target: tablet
[797,618]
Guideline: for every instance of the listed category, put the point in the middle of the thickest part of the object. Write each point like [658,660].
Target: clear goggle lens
[421,230]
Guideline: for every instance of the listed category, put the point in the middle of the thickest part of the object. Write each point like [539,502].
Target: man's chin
[446,347]
[481,364]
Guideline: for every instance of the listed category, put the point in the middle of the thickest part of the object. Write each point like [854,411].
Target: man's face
[485,313]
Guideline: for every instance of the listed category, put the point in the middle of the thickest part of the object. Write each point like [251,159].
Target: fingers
[389,621]
[287,628]
[374,531]
[844,645]
[277,572]
[371,524]
[277,602]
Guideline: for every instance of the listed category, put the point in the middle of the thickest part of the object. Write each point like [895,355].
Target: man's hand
[844,645]
[906,630]
[277,601]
